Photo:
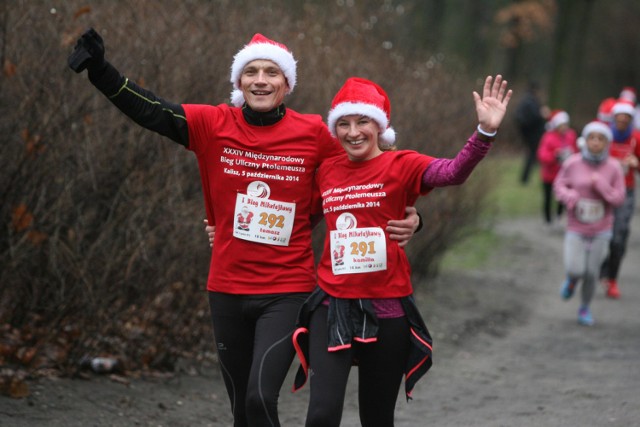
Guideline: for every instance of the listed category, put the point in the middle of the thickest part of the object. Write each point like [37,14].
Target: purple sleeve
[443,172]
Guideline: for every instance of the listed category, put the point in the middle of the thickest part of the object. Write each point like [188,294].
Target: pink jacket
[554,148]
[590,202]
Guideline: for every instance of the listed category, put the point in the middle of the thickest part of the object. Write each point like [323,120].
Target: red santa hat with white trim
[556,119]
[604,109]
[261,47]
[623,107]
[366,98]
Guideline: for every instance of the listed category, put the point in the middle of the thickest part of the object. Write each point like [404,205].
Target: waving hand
[492,106]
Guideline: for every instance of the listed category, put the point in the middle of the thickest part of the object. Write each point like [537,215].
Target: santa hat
[261,47]
[628,93]
[604,109]
[597,126]
[364,97]
[556,119]
[623,107]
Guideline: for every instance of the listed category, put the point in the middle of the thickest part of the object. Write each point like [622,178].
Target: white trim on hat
[558,119]
[623,108]
[599,127]
[283,58]
[388,135]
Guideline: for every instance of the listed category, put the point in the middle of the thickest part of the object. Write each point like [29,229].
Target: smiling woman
[359,137]
[363,308]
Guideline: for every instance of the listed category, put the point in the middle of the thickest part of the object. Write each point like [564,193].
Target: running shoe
[612,289]
[567,289]
[584,316]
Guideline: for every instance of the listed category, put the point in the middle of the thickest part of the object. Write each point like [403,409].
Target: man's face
[263,85]
[622,121]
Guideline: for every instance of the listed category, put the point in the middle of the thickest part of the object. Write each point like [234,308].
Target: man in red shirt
[626,148]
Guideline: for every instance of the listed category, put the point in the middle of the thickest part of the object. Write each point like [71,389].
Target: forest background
[102,249]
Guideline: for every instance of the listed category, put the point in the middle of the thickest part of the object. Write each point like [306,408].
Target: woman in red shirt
[363,309]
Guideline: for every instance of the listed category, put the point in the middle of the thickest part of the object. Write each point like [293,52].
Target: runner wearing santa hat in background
[363,309]
[556,145]
[590,184]
[257,154]
[625,147]
[629,94]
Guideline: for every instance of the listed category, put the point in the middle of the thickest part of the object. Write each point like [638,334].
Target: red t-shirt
[373,192]
[555,148]
[620,150]
[233,154]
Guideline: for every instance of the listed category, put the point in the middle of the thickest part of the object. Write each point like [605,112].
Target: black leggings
[548,200]
[253,339]
[380,369]
[621,229]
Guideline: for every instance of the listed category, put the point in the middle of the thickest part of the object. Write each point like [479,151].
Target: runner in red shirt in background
[625,147]
[556,145]
[256,157]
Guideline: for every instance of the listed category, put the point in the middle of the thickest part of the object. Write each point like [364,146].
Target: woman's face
[596,142]
[359,137]
[263,85]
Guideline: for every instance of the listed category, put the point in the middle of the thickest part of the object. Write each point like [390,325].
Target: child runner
[590,184]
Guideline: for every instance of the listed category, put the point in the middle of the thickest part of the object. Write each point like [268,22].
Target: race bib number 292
[263,220]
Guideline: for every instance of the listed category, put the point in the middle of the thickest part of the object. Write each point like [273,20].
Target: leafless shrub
[102,249]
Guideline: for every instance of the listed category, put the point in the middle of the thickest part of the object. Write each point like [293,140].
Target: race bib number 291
[358,250]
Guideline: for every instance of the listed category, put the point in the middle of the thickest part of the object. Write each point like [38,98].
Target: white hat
[364,97]
[556,119]
[597,126]
[623,107]
[261,47]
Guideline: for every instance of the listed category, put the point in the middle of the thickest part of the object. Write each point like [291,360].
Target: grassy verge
[508,199]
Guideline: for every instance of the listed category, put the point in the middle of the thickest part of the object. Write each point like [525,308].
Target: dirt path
[508,352]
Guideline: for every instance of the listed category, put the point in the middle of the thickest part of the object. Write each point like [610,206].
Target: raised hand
[88,52]
[492,106]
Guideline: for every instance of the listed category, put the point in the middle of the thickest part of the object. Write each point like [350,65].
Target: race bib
[263,220]
[589,211]
[358,250]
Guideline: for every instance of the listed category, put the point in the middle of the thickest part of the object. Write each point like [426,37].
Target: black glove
[88,53]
